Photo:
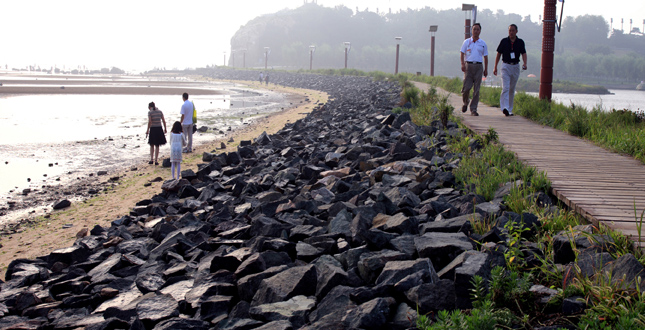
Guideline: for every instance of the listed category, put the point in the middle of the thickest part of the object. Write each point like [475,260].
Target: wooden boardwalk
[600,185]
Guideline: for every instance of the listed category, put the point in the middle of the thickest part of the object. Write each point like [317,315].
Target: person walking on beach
[187,121]
[510,49]
[473,52]
[177,142]
[155,135]
[261,77]
[266,78]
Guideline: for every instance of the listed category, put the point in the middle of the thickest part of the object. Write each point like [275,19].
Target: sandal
[150,162]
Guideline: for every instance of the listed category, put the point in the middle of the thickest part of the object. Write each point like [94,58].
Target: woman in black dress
[156,136]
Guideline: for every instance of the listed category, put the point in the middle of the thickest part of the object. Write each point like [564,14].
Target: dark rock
[479,264]
[294,310]
[395,271]
[373,314]
[398,223]
[238,324]
[370,264]
[286,284]
[404,318]
[61,204]
[441,248]
[277,325]
[452,225]
[573,305]
[154,309]
[214,307]
[178,323]
[433,297]
[626,272]
[248,285]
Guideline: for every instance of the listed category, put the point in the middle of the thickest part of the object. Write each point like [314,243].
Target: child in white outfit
[177,142]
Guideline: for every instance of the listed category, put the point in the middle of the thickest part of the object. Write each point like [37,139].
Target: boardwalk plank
[600,185]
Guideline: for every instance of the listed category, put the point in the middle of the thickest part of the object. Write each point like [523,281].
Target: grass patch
[507,303]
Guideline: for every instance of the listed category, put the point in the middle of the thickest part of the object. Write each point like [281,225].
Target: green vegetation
[508,303]
[621,131]
[587,50]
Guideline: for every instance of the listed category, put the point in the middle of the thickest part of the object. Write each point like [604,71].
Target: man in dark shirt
[510,49]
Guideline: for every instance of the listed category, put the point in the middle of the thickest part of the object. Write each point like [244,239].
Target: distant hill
[585,50]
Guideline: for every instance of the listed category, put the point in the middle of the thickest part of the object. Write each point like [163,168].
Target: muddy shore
[97,200]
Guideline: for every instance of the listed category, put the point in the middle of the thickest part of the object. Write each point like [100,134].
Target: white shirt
[187,111]
[474,50]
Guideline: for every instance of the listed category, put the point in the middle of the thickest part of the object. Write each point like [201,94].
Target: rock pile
[346,219]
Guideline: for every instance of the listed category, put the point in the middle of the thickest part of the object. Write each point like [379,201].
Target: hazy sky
[143,34]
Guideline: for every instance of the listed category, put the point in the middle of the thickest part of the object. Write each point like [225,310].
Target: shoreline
[120,190]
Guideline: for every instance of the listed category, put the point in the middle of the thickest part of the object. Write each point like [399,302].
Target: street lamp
[433,30]
[312,49]
[347,48]
[468,10]
[396,67]
[266,56]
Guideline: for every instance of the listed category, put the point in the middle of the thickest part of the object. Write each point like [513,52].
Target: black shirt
[506,47]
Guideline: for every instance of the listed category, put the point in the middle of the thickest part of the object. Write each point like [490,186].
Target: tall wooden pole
[548,47]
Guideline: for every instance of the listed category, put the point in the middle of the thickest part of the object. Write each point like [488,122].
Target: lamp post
[312,49]
[347,47]
[224,59]
[266,56]
[433,30]
[396,66]
[468,10]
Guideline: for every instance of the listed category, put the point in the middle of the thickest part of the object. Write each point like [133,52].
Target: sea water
[619,99]
[44,138]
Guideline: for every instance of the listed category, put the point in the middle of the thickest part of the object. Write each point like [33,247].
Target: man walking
[187,122]
[509,50]
[473,52]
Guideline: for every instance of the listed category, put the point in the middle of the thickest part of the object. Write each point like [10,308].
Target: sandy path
[48,233]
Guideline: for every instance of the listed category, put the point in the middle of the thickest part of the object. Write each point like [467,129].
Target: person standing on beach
[187,121]
[510,49]
[473,52]
[266,79]
[177,142]
[261,77]
[155,135]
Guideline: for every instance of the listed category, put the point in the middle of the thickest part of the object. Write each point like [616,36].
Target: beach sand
[39,235]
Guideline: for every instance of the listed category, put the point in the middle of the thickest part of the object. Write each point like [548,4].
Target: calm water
[48,137]
[69,117]
[620,99]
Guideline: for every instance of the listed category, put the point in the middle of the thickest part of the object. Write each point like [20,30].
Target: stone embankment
[347,219]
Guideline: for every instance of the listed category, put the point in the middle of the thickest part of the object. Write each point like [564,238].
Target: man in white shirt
[187,122]
[473,52]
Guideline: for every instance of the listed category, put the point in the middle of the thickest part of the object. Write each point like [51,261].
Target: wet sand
[37,229]
[36,174]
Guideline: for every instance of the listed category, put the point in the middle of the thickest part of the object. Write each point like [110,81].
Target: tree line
[585,48]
